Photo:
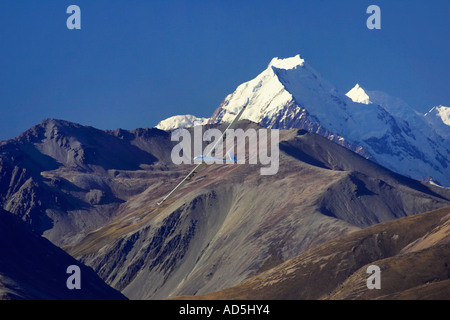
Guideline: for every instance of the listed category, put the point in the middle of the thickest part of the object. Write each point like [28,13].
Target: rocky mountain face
[227,225]
[291,94]
[63,178]
[411,254]
[231,222]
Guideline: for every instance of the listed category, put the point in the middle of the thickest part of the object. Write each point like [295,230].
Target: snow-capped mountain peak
[180,121]
[358,94]
[289,93]
[287,63]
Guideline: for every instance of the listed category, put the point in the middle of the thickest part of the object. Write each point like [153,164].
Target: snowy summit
[288,63]
[358,94]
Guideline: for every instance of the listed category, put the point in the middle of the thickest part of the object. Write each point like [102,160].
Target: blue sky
[136,62]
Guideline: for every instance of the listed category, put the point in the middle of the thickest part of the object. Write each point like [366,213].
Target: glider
[208,157]
[229,159]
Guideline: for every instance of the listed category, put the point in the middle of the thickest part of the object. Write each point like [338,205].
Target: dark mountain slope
[31,267]
[363,185]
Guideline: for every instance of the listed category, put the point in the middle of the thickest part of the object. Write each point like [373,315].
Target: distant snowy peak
[393,105]
[438,117]
[358,94]
[440,112]
[181,121]
[436,120]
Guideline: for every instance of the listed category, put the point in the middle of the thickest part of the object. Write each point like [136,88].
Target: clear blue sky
[136,62]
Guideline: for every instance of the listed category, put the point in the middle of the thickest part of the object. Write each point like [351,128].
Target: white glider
[230,158]
[208,157]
